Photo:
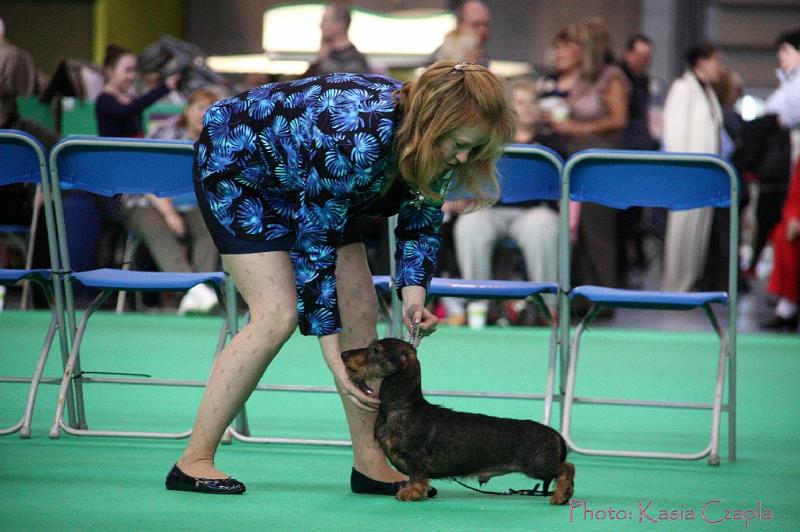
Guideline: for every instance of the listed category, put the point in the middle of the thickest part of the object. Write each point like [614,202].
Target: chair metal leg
[551,359]
[25,429]
[131,243]
[716,419]
[26,285]
[56,325]
[71,373]
[72,367]
[731,403]
[24,424]
[716,407]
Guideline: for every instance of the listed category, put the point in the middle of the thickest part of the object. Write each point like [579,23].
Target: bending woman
[282,173]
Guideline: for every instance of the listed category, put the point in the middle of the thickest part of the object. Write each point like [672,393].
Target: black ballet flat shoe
[777,323]
[360,483]
[178,480]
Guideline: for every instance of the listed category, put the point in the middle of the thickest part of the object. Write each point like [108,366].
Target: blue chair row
[620,179]
[107,167]
[613,178]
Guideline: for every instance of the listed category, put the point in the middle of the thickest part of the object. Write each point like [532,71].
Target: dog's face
[369,365]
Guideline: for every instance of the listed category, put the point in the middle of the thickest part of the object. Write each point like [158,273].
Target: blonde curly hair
[446,97]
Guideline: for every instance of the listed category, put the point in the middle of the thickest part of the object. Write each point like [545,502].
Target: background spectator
[118,109]
[18,74]
[459,45]
[692,123]
[595,93]
[784,104]
[767,150]
[637,135]
[784,281]
[336,52]
[636,60]
[472,18]
[168,226]
[119,114]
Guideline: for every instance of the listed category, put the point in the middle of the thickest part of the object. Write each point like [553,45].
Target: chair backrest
[529,172]
[622,179]
[22,158]
[109,166]
[525,172]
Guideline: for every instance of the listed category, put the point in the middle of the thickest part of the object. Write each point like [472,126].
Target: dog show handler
[282,171]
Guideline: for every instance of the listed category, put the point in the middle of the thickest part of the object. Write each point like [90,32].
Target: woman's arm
[167,210]
[616,99]
[414,311]
[112,106]
[418,240]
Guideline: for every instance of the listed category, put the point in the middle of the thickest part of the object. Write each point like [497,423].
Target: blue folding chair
[109,166]
[527,172]
[22,160]
[677,181]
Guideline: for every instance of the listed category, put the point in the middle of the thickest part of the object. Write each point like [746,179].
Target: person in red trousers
[784,281]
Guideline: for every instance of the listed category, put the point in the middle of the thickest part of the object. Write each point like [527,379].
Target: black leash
[537,491]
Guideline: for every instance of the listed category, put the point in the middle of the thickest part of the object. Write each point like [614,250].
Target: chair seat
[113,279]
[489,289]
[647,299]
[10,276]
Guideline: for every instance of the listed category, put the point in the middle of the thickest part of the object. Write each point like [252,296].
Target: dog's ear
[408,356]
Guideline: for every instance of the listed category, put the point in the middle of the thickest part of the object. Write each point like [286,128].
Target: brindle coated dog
[426,441]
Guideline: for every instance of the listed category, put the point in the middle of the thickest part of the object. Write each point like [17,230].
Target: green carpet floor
[80,483]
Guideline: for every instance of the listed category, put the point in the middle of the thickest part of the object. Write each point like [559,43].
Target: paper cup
[476,314]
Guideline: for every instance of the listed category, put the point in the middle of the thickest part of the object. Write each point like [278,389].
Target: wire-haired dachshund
[426,441]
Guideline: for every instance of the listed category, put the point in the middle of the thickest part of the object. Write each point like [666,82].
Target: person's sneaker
[200,299]
[777,323]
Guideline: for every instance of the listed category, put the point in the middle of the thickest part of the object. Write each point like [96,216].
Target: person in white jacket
[692,123]
[785,100]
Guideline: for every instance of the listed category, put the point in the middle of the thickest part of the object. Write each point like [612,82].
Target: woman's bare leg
[359,313]
[267,284]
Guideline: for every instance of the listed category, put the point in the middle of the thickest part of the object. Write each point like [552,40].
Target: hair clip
[463,66]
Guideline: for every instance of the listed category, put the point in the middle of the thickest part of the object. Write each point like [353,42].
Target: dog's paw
[565,484]
[561,498]
[412,492]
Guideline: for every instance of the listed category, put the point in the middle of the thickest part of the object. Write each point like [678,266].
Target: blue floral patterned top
[297,160]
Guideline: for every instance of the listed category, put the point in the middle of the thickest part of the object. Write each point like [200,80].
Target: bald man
[18,75]
[472,17]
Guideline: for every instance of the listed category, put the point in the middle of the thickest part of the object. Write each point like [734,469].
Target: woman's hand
[452,207]
[173,219]
[571,128]
[172,81]
[333,357]
[415,313]
[792,229]
[176,224]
